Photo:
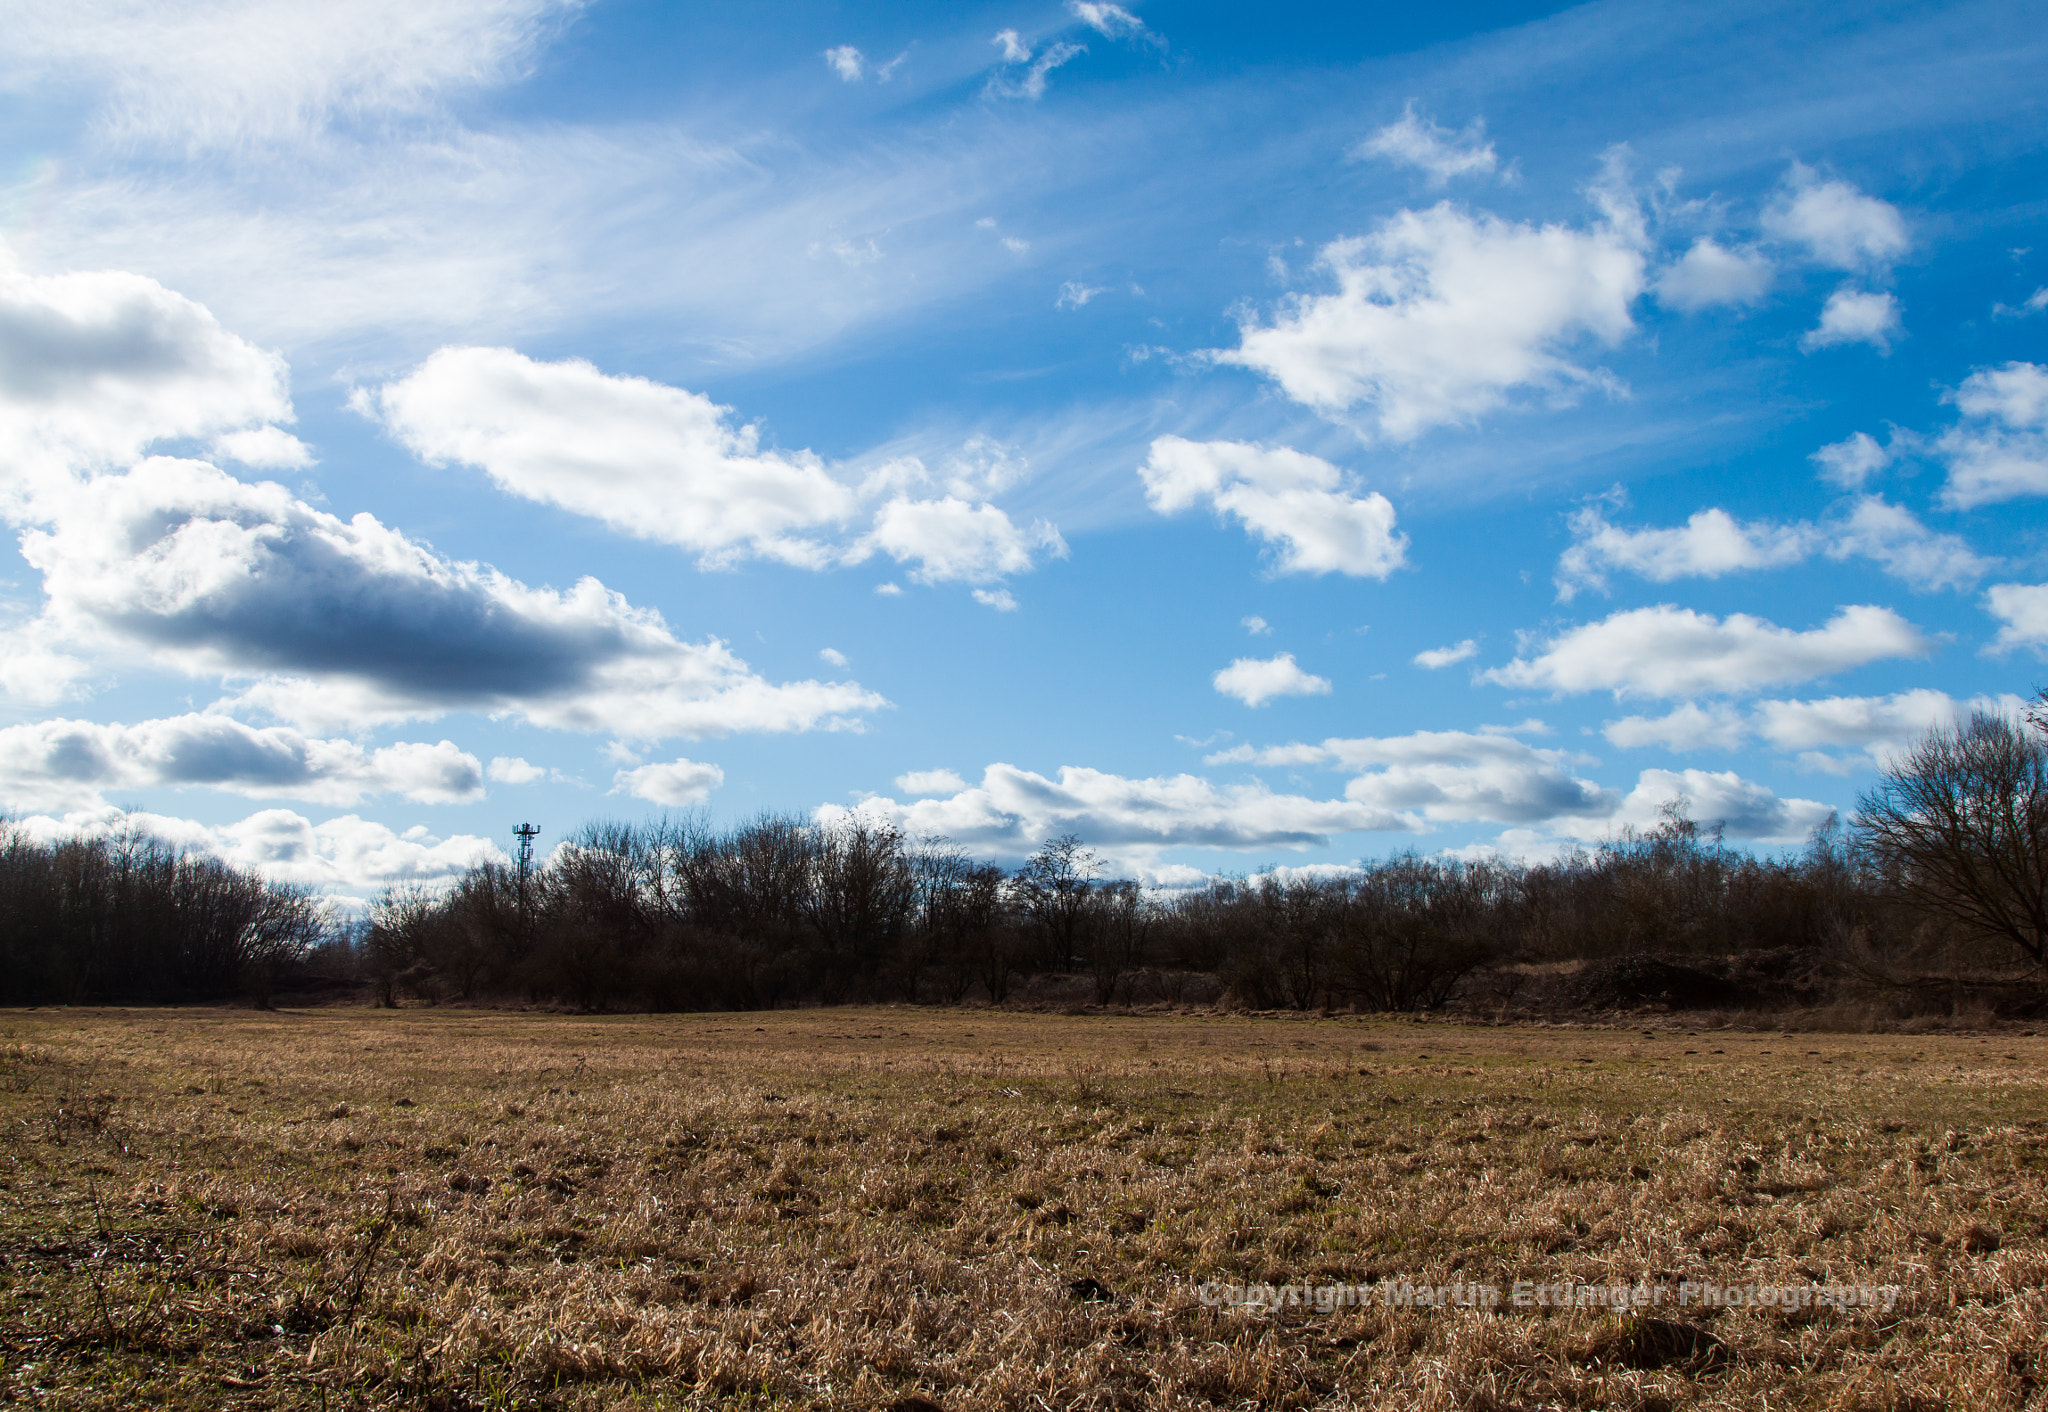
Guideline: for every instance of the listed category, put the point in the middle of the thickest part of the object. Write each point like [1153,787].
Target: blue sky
[1237,435]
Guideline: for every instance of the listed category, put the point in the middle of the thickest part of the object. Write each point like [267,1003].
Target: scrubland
[898,1207]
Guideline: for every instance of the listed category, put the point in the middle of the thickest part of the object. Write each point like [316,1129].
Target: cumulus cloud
[1690,726]
[68,764]
[345,623]
[2022,608]
[1742,808]
[1257,680]
[674,783]
[1837,224]
[1854,316]
[1301,506]
[650,460]
[1877,726]
[1999,450]
[195,72]
[1447,776]
[510,769]
[1711,273]
[664,463]
[950,540]
[1439,315]
[832,655]
[348,858]
[1437,658]
[930,782]
[1438,152]
[845,61]
[1851,462]
[1011,811]
[1256,626]
[1671,651]
[266,448]
[1713,543]
[96,367]
[1895,539]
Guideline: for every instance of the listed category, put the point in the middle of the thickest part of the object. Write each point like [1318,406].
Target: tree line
[130,918]
[1937,885]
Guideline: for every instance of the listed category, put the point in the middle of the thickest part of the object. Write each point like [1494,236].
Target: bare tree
[1052,889]
[1958,827]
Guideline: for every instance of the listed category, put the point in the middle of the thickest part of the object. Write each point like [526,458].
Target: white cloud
[1256,680]
[951,540]
[1710,273]
[1000,599]
[1032,85]
[1442,154]
[930,782]
[267,448]
[1257,626]
[1878,725]
[349,858]
[1300,505]
[1903,547]
[832,655]
[346,623]
[1448,776]
[889,590]
[510,769]
[1838,225]
[1743,808]
[1689,727]
[1073,295]
[200,72]
[2023,609]
[95,367]
[1713,542]
[2033,304]
[845,61]
[1851,462]
[1110,21]
[1437,658]
[1875,725]
[1012,811]
[68,764]
[1854,316]
[652,461]
[674,783]
[1999,451]
[1488,776]
[1439,315]
[1671,651]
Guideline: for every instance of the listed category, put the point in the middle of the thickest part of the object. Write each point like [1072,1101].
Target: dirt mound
[1626,982]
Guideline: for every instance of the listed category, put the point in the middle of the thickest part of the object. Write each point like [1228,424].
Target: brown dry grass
[854,1208]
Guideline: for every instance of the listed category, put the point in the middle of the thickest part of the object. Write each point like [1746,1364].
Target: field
[907,1208]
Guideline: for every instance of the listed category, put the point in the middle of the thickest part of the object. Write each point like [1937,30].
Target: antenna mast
[525,833]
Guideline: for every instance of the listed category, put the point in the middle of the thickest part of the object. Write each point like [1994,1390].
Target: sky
[1243,437]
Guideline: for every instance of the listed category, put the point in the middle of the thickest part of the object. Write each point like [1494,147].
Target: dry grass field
[894,1207]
